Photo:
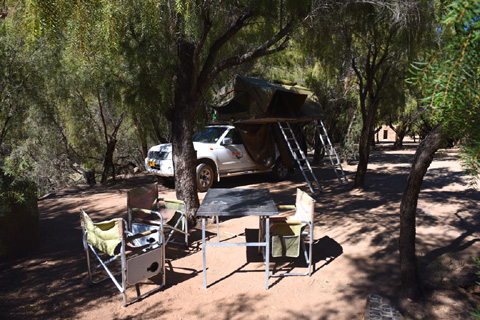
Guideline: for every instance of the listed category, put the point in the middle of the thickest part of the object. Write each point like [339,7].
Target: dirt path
[355,253]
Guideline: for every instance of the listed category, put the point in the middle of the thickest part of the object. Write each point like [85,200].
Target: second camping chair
[288,234]
[109,241]
[146,210]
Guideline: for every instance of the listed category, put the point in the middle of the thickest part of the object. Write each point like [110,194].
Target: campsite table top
[237,202]
[234,203]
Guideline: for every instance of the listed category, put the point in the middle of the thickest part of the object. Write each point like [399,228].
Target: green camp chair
[145,211]
[288,234]
[110,242]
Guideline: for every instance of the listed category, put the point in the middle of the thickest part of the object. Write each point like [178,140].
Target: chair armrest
[304,223]
[140,235]
[148,212]
[170,200]
[286,207]
[175,204]
[149,222]
[289,222]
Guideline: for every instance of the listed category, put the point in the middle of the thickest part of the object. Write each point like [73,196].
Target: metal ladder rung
[298,155]
[330,150]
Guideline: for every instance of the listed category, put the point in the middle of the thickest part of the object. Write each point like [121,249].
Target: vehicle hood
[166,147]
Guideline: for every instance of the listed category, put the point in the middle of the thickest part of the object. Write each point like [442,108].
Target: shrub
[18,214]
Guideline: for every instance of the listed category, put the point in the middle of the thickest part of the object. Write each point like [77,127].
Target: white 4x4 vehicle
[220,153]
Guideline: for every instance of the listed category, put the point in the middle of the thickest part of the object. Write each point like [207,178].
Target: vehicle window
[209,135]
[236,139]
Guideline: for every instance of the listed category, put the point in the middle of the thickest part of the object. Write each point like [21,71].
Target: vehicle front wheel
[205,177]
[280,170]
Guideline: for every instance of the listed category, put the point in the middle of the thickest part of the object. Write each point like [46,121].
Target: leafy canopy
[450,80]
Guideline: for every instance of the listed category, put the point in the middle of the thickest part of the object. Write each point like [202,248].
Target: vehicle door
[231,154]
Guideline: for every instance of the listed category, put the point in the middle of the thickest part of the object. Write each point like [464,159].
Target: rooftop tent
[311,108]
[252,98]
[254,105]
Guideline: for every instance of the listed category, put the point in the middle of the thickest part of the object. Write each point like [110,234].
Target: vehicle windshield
[209,135]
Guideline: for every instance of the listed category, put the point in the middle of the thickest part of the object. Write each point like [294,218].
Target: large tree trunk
[408,208]
[184,155]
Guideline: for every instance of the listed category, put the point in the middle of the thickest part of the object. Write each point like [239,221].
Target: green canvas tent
[254,100]
[255,105]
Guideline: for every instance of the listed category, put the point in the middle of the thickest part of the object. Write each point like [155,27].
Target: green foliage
[450,80]
[99,59]
[476,262]
[14,187]
[364,50]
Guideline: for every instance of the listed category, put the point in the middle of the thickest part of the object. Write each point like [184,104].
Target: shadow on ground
[50,281]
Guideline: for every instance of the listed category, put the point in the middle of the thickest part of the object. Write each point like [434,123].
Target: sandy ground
[355,253]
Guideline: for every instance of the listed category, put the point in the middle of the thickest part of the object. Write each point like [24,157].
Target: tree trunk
[88,175]
[364,145]
[350,126]
[399,139]
[108,161]
[184,155]
[408,208]
[111,143]
[3,133]
[401,132]
[319,150]
[141,135]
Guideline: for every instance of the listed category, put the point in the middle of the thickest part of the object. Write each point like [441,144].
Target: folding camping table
[238,203]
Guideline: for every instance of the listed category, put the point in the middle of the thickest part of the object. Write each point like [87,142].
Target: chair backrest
[143,197]
[304,206]
[104,236]
[178,220]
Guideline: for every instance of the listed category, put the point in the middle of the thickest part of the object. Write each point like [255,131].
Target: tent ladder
[299,155]
[330,150]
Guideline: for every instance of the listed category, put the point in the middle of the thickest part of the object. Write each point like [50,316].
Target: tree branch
[117,127]
[103,118]
[207,76]
[207,26]
[218,44]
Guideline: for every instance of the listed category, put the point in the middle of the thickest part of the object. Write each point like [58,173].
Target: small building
[386,134]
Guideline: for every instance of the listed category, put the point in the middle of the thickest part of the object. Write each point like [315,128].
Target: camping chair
[109,241]
[145,211]
[288,234]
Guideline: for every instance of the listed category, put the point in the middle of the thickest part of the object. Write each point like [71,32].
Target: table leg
[267,251]
[204,255]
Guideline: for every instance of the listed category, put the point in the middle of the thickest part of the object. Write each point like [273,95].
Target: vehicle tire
[280,171]
[205,177]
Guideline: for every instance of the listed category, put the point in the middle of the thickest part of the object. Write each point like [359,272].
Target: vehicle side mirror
[227,141]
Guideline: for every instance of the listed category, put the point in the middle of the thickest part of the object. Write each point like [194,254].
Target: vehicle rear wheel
[280,170]
[205,177]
